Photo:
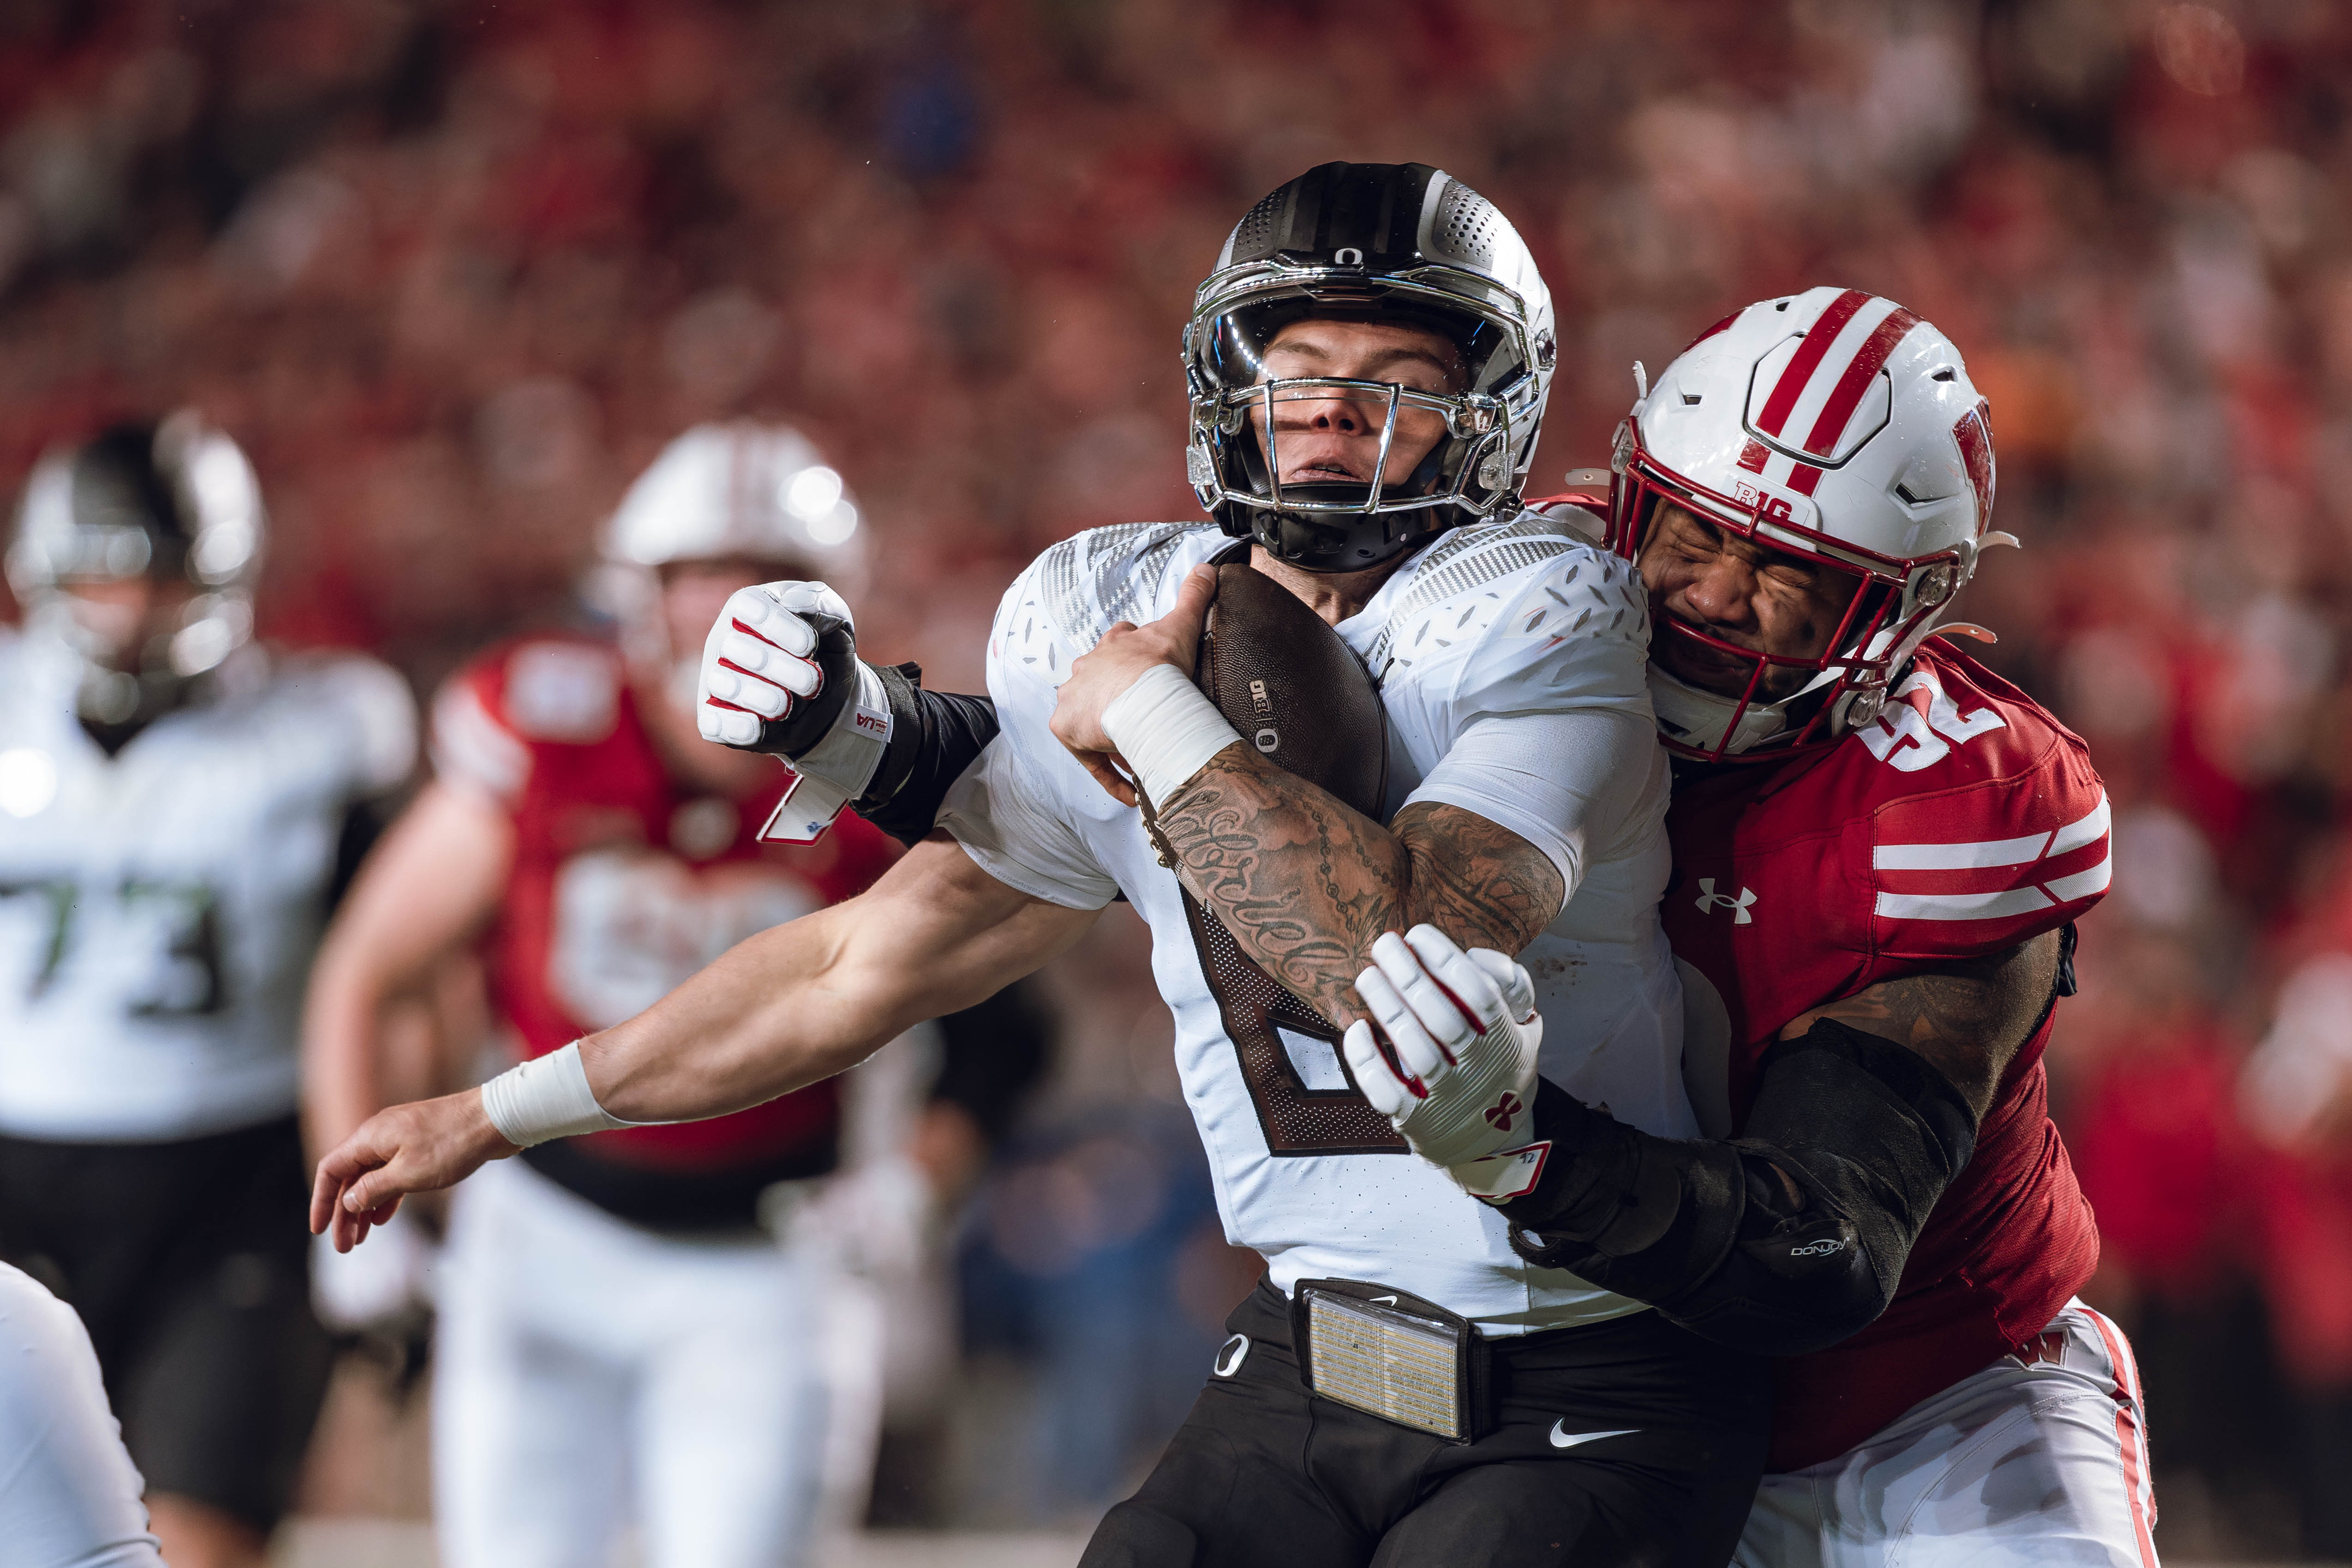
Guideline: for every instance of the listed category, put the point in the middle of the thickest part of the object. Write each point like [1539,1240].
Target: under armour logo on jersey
[1499,1114]
[1709,899]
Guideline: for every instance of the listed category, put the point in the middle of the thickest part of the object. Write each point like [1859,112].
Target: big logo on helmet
[1776,508]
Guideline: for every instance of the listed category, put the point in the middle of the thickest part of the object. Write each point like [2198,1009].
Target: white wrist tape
[1165,729]
[547,1097]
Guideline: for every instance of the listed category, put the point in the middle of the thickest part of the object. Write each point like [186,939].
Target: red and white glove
[1466,1034]
[780,674]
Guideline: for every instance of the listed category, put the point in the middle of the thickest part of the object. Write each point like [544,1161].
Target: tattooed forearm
[1304,884]
[1969,1019]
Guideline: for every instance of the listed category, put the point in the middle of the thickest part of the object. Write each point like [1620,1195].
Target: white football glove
[1462,1085]
[379,1286]
[780,674]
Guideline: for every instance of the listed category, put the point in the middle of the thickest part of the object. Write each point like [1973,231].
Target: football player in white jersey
[1368,364]
[174,801]
[68,1493]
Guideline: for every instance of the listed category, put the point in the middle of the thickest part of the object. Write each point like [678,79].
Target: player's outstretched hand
[777,666]
[413,1148]
[1100,677]
[1458,1077]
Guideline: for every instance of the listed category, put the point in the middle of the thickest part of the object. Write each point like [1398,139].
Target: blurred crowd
[452,272]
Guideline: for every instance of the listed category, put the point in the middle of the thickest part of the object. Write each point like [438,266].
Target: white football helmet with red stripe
[1837,427]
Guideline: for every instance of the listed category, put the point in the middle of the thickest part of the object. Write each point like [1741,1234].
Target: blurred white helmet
[1837,427]
[741,489]
[177,502]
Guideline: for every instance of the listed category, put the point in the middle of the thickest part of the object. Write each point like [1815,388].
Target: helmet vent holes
[1255,235]
[1690,399]
[1780,304]
[1465,222]
[1947,373]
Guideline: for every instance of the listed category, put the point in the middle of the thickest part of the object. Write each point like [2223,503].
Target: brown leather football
[1293,688]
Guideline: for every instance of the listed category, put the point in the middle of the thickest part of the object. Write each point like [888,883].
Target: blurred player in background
[621,1333]
[178,807]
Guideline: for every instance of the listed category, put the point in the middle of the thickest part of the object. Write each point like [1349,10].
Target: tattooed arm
[1304,884]
[1968,1020]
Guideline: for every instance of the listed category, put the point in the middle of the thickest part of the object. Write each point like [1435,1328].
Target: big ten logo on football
[151,946]
[1267,739]
[631,923]
[1920,724]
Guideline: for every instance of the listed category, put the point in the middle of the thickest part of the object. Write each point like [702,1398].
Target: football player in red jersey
[618,1333]
[1880,848]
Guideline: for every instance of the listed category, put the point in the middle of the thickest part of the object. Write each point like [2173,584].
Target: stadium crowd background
[452,272]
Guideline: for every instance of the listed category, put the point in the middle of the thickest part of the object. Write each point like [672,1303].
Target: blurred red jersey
[1963,821]
[625,881]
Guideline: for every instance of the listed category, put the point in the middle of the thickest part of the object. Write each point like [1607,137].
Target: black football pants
[1263,1475]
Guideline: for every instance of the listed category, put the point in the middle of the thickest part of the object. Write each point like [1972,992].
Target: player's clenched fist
[1466,1034]
[777,668]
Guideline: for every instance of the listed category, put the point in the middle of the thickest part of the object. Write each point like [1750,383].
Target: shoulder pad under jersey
[533,691]
[1078,589]
[1516,616]
[376,710]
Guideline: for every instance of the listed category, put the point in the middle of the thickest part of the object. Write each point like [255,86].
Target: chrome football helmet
[1403,244]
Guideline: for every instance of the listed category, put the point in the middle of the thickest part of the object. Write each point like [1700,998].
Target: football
[1293,688]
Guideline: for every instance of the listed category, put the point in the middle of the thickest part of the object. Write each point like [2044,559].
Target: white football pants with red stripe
[2024,1463]
[590,1374]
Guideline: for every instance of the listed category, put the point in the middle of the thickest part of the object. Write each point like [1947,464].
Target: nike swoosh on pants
[1561,1438]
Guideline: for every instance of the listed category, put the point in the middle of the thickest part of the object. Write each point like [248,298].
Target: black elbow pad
[1782,1242]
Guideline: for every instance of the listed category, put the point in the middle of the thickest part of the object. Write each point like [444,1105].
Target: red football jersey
[625,881]
[1963,821]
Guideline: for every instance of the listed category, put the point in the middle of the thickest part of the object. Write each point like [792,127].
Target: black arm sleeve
[1784,1241]
[934,736]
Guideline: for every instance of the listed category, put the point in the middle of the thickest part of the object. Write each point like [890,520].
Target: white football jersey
[68,1492]
[159,909]
[1491,621]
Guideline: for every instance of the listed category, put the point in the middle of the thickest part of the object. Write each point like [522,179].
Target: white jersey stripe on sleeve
[1960,857]
[470,744]
[1993,854]
[1963,906]
[2082,884]
[2088,828]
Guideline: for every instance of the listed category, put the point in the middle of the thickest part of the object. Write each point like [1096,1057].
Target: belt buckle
[1378,1350]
